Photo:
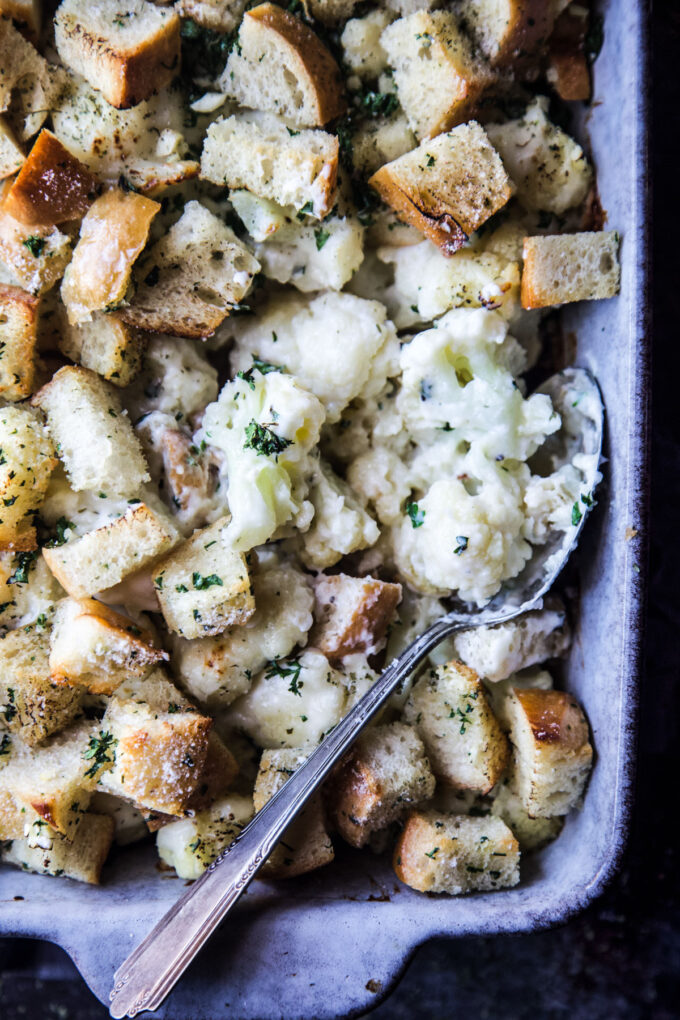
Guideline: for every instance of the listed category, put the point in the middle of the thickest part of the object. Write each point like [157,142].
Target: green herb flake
[36,245]
[264,441]
[462,541]
[416,515]
[200,582]
[100,751]
[576,515]
[321,236]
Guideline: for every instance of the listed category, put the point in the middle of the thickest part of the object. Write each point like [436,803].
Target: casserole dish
[331,943]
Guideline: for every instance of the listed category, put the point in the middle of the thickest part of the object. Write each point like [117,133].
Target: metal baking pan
[329,944]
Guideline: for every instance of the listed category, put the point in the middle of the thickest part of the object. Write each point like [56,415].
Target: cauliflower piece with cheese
[340,524]
[265,424]
[313,256]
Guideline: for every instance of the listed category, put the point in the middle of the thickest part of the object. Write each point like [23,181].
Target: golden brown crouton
[11,153]
[510,31]
[126,52]
[552,753]
[112,235]
[352,613]
[463,740]
[26,463]
[305,844]
[106,345]
[454,854]
[447,187]
[570,267]
[18,338]
[54,854]
[52,185]
[35,256]
[384,775]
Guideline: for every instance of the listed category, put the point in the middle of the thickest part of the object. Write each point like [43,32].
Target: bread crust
[52,186]
[361,625]
[312,57]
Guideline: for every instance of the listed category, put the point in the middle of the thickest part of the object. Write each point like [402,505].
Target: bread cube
[280,65]
[496,652]
[191,844]
[18,339]
[162,744]
[570,267]
[11,153]
[35,256]
[440,853]
[31,703]
[106,345]
[331,12]
[305,845]
[82,859]
[448,187]
[92,433]
[385,773]
[27,83]
[568,70]
[549,169]
[260,153]
[530,833]
[94,647]
[52,187]
[125,53]
[465,744]
[438,76]
[219,15]
[203,587]
[352,613]
[112,235]
[26,463]
[192,277]
[104,557]
[499,692]
[53,783]
[189,479]
[510,31]
[218,670]
[552,753]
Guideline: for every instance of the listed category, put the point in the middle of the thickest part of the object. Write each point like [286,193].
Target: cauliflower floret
[265,424]
[292,703]
[176,378]
[313,257]
[553,503]
[337,345]
[340,524]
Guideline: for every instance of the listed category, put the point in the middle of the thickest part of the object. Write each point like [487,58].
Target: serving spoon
[151,971]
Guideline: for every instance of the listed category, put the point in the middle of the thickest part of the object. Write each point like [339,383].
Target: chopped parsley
[100,751]
[462,541]
[430,161]
[432,853]
[265,442]
[290,670]
[576,515]
[36,245]
[61,528]
[416,514]
[23,561]
[5,744]
[205,49]
[263,367]
[9,710]
[321,236]
[378,104]
[200,582]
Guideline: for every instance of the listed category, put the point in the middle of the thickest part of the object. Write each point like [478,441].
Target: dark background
[620,959]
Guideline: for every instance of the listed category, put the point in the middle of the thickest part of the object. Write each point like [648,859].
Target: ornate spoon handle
[151,971]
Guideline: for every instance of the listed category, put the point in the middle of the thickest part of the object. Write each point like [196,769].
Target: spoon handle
[151,971]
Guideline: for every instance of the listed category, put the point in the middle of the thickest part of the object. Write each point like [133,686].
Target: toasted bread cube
[384,774]
[499,692]
[530,833]
[219,15]
[280,65]
[438,76]
[127,54]
[496,652]
[258,152]
[568,70]
[548,167]
[217,670]
[162,744]
[92,432]
[352,613]
[444,853]
[463,740]
[32,705]
[203,587]
[104,557]
[11,154]
[552,753]
[305,845]
[53,783]
[94,647]
[26,463]
[27,83]
[570,267]
[448,187]
[106,345]
[112,235]
[18,338]
[192,278]
[52,187]
[187,475]
[509,31]
[35,256]
[191,844]
[82,859]
[28,590]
